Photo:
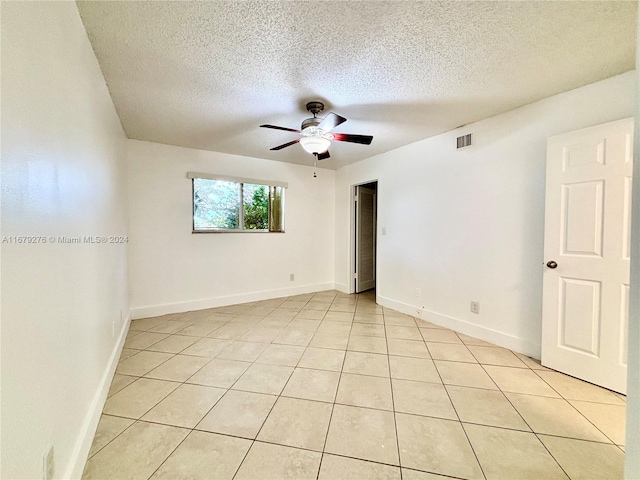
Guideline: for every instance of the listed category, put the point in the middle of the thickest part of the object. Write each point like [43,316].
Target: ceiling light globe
[315,145]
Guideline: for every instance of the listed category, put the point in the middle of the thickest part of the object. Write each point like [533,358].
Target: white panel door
[586,247]
[365,238]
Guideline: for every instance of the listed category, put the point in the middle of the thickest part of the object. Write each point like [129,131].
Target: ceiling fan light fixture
[315,144]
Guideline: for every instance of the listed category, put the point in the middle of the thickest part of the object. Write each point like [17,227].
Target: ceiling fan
[315,136]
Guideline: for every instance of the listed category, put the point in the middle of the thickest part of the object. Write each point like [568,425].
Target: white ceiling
[207,74]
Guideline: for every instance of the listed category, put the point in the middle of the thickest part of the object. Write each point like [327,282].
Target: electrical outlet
[418,292]
[475,307]
[292,277]
[48,466]
[113,328]
[384,230]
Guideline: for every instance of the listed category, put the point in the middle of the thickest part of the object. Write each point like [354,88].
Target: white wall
[63,153]
[468,225]
[172,269]
[632,456]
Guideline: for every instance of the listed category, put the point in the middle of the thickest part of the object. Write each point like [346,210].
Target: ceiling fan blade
[284,145]
[348,137]
[281,128]
[323,156]
[332,120]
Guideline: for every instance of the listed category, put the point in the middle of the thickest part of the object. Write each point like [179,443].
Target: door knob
[552,264]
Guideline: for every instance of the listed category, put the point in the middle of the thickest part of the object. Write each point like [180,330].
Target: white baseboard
[92,418]
[341,287]
[496,337]
[398,306]
[213,302]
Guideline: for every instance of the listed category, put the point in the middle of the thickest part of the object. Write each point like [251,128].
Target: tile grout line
[393,404]
[105,445]
[551,454]
[171,453]
[458,415]
[578,411]
[537,372]
[525,421]
[326,436]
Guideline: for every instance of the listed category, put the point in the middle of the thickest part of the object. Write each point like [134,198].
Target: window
[227,204]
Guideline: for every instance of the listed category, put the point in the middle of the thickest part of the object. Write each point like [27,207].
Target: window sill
[232,231]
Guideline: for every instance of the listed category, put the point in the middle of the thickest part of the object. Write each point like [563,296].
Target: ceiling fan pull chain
[315,164]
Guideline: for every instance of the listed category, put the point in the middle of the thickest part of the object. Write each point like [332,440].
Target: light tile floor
[333,386]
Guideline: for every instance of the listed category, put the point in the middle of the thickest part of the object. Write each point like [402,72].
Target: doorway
[365,210]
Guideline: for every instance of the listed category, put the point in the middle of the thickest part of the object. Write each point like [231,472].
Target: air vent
[464,141]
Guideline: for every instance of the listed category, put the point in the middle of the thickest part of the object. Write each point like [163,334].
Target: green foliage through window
[256,207]
[220,205]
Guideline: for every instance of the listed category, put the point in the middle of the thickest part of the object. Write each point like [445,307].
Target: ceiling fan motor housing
[315,108]
[310,122]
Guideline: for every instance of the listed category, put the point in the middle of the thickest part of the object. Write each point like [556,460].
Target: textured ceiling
[207,74]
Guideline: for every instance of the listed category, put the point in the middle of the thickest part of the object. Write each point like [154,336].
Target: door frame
[353,235]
